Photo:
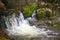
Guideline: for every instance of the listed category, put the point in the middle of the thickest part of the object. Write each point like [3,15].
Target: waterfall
[32,18]
[18,26]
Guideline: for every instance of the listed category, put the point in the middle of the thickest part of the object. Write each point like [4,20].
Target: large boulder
[45,13]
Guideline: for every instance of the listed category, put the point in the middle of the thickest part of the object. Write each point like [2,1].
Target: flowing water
[19,28]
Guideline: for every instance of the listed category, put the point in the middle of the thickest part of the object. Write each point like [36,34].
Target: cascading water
[18,26]
[32,18]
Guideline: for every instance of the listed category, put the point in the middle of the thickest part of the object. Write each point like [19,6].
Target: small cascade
[20,27]
[33,17]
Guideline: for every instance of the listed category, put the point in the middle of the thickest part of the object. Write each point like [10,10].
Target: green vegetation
[3,38]
[41,13]
[44,13]
[28,7]
[49,14]
[28,10]
[33,6]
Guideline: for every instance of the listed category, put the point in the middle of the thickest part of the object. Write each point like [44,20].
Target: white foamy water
[18,26]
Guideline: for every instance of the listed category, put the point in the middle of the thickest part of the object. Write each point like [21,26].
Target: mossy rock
[41,13]
[48,14]
[28,10]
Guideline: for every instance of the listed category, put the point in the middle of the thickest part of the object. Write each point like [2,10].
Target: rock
[41,13]
[1,6]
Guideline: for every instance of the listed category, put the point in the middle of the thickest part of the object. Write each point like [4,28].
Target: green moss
[28,10]
[41,13]
[33,6]
[49,14]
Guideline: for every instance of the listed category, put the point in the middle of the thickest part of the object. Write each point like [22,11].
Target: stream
[18,28]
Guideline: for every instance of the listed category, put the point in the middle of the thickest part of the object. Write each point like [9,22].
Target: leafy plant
[33,6]
[27,12]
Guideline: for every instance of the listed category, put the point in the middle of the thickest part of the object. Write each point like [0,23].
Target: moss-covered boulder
[33,6]
[49,14]
[45,13]
[28,10]
[41,13]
